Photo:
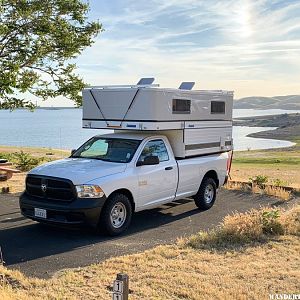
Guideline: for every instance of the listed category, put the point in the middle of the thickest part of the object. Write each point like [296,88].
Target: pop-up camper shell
[196,122]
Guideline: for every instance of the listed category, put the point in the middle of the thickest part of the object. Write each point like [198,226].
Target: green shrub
[279,182]
[270,222]
[259,180]
[5,156]
[24,161]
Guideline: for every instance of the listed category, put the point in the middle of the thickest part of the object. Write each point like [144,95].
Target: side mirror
[73,151]
[148,161]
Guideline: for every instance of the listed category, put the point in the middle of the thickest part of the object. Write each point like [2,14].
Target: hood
[79,170]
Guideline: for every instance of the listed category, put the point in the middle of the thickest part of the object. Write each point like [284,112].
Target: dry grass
[186,270]
[278,192]
[253,226]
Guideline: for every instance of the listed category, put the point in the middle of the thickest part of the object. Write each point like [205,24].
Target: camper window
[217,107]
[181,106]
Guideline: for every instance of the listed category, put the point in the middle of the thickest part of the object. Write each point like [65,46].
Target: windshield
[108,149]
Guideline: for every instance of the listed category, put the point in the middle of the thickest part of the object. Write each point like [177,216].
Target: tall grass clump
[291,221]
[250,227]
[276,191]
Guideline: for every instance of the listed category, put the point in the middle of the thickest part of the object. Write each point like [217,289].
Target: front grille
[54,188]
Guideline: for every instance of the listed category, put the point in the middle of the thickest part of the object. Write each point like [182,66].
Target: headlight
[89,191]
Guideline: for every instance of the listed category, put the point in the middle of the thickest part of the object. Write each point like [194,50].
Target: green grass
[280,160]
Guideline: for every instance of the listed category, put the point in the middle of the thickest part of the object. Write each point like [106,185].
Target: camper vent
[217,107]
[181,106]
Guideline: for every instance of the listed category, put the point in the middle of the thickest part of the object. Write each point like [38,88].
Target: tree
[38,41]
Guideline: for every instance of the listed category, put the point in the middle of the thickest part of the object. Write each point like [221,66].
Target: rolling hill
[277,102]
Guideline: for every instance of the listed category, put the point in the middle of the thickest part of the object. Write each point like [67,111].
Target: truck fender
[125,192]
[211,174]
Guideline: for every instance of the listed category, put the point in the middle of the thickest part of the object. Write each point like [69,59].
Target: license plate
[40,213]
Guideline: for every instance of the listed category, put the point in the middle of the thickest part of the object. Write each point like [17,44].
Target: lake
[62,129]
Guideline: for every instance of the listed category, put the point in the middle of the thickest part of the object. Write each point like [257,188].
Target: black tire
[115,227]
[206,196]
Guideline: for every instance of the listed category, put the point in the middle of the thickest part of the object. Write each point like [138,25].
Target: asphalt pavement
[41,251]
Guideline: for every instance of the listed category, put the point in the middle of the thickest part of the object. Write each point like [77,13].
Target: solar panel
[146,81]
[187,85]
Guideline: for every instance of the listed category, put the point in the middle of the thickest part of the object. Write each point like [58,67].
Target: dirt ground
[290,175]
[16,184]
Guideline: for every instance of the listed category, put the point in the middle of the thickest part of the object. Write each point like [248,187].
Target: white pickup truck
[113,175]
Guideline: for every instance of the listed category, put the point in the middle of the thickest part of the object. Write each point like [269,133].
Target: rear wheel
[206,196]
[116,215]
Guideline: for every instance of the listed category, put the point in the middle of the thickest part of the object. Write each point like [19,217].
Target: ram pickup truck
[112,176]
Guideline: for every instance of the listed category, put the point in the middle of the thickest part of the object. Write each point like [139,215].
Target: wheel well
[212,174]
[125,192]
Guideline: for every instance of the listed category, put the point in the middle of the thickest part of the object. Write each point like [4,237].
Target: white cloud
[250,46]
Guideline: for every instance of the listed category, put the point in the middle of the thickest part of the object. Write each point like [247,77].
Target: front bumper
[76,212]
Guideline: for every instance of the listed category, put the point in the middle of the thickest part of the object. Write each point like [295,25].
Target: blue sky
[249,46]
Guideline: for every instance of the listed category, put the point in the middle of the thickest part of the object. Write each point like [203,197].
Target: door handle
[168,168]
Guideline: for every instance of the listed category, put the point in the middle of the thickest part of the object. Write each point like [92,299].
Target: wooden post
[121,287]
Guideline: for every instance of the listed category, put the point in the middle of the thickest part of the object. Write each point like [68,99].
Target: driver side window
[155,148]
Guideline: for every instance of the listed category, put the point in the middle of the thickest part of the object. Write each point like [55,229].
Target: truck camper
[167,144]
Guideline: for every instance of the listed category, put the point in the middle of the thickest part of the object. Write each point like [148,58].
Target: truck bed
[192,170]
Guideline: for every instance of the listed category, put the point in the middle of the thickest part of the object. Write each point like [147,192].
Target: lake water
[62,129]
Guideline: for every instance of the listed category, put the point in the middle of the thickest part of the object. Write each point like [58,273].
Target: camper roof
[156,87]
[148,83]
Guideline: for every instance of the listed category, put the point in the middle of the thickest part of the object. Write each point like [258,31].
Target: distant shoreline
[288,126]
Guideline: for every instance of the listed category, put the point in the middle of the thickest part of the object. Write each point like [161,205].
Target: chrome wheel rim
[209,194]
[118,215]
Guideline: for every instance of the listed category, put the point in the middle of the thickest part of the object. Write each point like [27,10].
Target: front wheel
[116,215]
[206,196]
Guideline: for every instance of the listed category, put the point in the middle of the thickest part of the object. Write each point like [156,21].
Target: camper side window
[217,107]
[181,106]
[155,148]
